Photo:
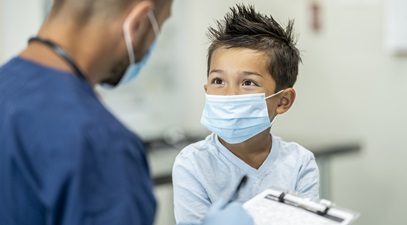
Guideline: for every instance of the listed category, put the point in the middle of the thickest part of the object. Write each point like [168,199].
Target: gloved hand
[231,214]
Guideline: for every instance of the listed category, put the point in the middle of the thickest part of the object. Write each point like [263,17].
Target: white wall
[1,27]
[349,88]
[19,20]
[363,90]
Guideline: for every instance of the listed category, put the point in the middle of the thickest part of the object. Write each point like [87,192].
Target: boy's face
[237,71]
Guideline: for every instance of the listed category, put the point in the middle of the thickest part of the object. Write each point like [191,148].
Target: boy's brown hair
[243,27]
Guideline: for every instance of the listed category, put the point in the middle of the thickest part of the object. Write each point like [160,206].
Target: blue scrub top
[64,159]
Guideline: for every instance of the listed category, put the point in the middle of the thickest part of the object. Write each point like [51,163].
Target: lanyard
[59,51]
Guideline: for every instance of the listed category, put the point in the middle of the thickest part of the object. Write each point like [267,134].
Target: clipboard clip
[321,208]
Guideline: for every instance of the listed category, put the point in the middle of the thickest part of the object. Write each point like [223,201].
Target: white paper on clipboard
[273,207]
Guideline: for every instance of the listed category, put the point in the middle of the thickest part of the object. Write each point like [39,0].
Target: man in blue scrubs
[64,159]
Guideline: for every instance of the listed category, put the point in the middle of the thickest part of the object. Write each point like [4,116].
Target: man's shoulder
[44,107]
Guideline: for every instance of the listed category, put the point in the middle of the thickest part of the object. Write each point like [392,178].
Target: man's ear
[205,88]
[138,12]
[286,100]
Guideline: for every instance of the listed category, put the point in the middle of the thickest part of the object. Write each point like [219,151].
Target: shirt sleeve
[191,201]
[308,179]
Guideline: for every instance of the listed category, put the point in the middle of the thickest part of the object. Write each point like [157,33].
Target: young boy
[252,67]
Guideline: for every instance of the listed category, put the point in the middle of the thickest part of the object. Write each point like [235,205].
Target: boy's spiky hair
[243,27]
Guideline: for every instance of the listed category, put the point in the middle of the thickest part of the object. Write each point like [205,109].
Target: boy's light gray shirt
[206,172]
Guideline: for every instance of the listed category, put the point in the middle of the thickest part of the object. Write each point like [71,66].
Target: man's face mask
[134,68]
[236,118]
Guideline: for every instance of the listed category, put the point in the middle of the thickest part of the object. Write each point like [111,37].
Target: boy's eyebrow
[216,71]
[246,73]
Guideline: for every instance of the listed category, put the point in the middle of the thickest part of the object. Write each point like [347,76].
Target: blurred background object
[350,107]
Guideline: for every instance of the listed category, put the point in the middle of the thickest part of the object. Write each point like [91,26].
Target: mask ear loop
[271,123]
[127,36]
[274,94]
[154,23]
[128,41]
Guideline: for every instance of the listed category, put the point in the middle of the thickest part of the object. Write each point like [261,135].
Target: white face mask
[134,68]
[236,118]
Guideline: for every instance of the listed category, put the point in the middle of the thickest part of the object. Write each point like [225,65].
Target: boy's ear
[286,101]
[205,88]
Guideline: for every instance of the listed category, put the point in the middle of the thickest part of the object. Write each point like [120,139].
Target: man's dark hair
[243,27]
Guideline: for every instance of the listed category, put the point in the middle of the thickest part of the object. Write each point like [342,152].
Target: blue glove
[231,214]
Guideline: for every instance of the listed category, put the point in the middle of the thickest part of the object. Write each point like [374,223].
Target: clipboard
[272,207]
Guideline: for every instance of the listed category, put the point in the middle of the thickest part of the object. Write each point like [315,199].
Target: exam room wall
[349,88]
[19,19]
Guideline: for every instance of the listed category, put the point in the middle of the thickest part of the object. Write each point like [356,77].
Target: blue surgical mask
[236,118]
[134,68]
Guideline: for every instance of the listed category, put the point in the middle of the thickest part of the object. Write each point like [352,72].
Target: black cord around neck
[59,51]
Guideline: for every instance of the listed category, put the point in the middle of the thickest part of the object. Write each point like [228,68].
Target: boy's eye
[217,81]
[249,83]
